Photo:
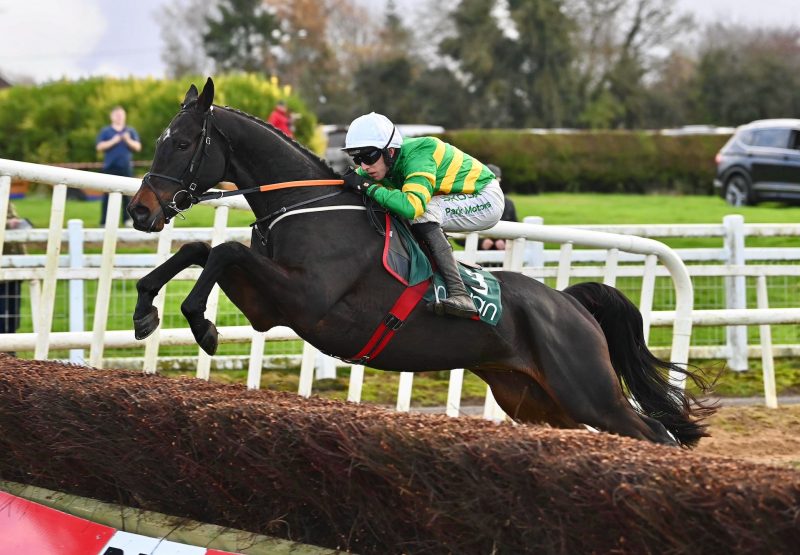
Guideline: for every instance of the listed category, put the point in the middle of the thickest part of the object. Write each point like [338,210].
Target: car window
[746,136]
[776,138]
[795,140]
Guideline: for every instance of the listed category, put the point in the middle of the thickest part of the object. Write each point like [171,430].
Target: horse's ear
[191,95]
[206,97]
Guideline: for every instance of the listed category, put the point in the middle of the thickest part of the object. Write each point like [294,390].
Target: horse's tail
[645,376]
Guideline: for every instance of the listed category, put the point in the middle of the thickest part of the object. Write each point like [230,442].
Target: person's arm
[103,145]
[132,143]
[411,200]
[131,139]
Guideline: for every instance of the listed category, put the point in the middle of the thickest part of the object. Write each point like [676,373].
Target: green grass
[751,383]
[596,209]
[555,208]
[564,209]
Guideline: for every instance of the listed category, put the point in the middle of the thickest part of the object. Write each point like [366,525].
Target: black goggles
[367,157]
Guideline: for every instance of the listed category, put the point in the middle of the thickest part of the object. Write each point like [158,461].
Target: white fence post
[564,265]
[325,367]
[356,383]
[534,250]
[212,303]
[256,361]
[153,342]
[647,293]
[104,283]
[767,361]
[306,384]
[404,392]
[76,300]
[610,272]
[735,290]
[47,304]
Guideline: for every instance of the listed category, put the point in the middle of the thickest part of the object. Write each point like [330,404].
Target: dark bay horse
[548,360]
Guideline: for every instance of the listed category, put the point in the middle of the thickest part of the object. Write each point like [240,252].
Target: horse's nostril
[139,212]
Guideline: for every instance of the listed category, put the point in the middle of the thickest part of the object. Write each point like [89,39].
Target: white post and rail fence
[621,256]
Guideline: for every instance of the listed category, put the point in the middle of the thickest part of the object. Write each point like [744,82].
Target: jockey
[433,184]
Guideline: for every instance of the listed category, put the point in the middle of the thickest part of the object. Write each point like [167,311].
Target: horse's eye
[183,145]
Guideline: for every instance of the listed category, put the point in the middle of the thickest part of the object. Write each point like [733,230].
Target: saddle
[406,260]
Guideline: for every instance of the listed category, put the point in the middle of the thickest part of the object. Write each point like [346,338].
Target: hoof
[143,327]
[210,339]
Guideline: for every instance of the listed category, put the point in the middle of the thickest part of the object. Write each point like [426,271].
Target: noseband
[186,196]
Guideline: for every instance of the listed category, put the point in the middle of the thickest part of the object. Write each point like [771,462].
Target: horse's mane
[320,162]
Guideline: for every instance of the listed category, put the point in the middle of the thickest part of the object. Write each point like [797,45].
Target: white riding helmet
[372,130]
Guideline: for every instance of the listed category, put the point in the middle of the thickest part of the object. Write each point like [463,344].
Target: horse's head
[191,157]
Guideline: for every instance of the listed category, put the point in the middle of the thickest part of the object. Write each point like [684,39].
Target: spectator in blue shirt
[118,142]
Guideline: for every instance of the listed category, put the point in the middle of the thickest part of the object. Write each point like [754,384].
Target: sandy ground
[755,433]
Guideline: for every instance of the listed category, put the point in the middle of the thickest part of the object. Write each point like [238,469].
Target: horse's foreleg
[224,265]
[145,315]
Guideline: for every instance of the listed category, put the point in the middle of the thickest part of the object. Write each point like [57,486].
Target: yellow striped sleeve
[419,209]
[472,177]
[421,190]
[438,154]
[429,176]
[452,171]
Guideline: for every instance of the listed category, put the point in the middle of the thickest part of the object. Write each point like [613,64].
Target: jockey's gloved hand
[356,182]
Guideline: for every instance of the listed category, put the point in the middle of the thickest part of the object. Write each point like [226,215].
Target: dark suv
[761,161]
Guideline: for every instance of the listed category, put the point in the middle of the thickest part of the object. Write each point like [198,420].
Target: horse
[560,358]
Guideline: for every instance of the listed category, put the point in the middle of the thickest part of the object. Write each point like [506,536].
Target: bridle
[187,196]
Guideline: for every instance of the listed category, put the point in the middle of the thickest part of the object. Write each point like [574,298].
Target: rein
[271,187]
[186,197]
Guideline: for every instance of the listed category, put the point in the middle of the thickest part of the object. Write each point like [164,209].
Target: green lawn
[565,209]
[555,208]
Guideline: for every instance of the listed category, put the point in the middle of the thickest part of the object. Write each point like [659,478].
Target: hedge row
[368,480]
[59,121]
[604,162]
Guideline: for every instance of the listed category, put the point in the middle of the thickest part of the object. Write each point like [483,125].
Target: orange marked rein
[303,183]
[271,187]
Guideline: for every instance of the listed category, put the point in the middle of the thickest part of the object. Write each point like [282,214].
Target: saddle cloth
[405,260]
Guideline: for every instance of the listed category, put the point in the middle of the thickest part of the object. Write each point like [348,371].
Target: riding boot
[458,302]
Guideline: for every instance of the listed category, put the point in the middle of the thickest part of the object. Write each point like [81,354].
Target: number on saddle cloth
[481,285]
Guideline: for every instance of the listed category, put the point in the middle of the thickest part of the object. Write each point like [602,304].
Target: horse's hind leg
[145,315]
[524,400]
[583,382]
[575,367]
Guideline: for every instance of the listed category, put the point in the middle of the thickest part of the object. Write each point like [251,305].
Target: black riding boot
[458,302]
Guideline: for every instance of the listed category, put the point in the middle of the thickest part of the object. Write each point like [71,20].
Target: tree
[516,58]
[746,74]
[321,44]
[182,26]
[240,36]
[621,43]
[668,100]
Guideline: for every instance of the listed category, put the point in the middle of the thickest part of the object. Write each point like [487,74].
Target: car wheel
[737,191]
